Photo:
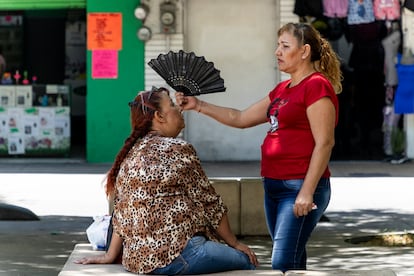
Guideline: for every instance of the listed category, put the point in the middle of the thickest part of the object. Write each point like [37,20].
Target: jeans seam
[185,265]
[298,241]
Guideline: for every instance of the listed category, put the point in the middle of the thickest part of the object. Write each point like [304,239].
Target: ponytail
[142,113]
[329,65]
[113,172]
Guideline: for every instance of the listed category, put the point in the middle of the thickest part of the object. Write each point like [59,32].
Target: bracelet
[200,104]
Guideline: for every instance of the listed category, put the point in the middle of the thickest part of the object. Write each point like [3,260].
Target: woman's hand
[187,102]
[249,252]
[110,257]
[101,259]
[303,205]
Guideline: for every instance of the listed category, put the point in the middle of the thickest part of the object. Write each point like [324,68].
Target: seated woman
[167,217]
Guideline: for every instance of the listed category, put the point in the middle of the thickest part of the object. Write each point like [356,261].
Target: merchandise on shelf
[29,125]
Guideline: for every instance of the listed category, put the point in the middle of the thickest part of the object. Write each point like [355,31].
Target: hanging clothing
[391,44]
[390,122]
[387,9]
[360,11]
[409,4]
[308,8]
[404,96]
[335,8]
[407,21]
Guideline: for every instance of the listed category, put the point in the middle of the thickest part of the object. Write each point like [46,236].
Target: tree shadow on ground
[328,250]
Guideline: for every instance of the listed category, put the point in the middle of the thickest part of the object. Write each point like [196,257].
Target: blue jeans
[202,256]
[289,233]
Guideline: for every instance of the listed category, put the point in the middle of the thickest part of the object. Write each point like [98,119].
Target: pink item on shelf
[17,76]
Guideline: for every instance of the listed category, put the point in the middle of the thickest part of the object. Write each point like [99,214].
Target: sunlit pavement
[365,200]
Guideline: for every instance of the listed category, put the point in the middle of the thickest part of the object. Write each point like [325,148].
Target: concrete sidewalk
[367,198]
[213,169]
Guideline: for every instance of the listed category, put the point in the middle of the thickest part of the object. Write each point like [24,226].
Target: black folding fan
[188,73]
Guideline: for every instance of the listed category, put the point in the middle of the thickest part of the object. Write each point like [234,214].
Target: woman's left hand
[249,252]
[303,205]
[101,259]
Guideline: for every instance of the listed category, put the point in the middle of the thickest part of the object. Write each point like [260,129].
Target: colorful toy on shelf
[45,100]
[17,76]
[6,78]
[25,78]
[34,79]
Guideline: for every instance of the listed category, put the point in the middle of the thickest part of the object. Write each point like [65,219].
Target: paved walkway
[367,198]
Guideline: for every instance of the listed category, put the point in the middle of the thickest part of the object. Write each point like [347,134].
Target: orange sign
[104,31]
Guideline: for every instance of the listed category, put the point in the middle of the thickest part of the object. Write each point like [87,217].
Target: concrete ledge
[383,272]
[244,198]
[252,220]
[85,250]
[229,189]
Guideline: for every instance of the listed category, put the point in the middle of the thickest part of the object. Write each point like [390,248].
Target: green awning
[41,4]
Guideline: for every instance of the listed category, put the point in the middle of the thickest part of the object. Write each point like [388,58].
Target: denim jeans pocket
[293,184]
[177,267]
[182,263]
[196,241]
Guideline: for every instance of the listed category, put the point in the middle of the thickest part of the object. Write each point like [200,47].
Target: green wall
[107,112]
[41,4]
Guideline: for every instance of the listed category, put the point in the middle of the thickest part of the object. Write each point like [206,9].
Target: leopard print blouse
[162,198]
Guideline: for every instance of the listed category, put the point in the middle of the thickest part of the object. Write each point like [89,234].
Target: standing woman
[302,113]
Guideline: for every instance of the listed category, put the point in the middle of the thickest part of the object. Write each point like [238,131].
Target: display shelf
[35,121]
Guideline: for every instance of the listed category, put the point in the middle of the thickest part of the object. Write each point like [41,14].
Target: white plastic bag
[98,231]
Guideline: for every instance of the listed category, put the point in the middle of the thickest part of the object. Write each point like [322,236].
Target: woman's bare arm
[321,117]
[225,233]
[252,116]
[109,257]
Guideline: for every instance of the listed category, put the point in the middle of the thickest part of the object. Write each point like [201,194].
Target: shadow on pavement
[328,249]
[41,247]
[13,212]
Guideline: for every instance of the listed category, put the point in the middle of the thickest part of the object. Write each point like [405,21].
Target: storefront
[52,105]
[43,44]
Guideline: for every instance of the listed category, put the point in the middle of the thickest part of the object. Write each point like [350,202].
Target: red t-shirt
[286,151]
